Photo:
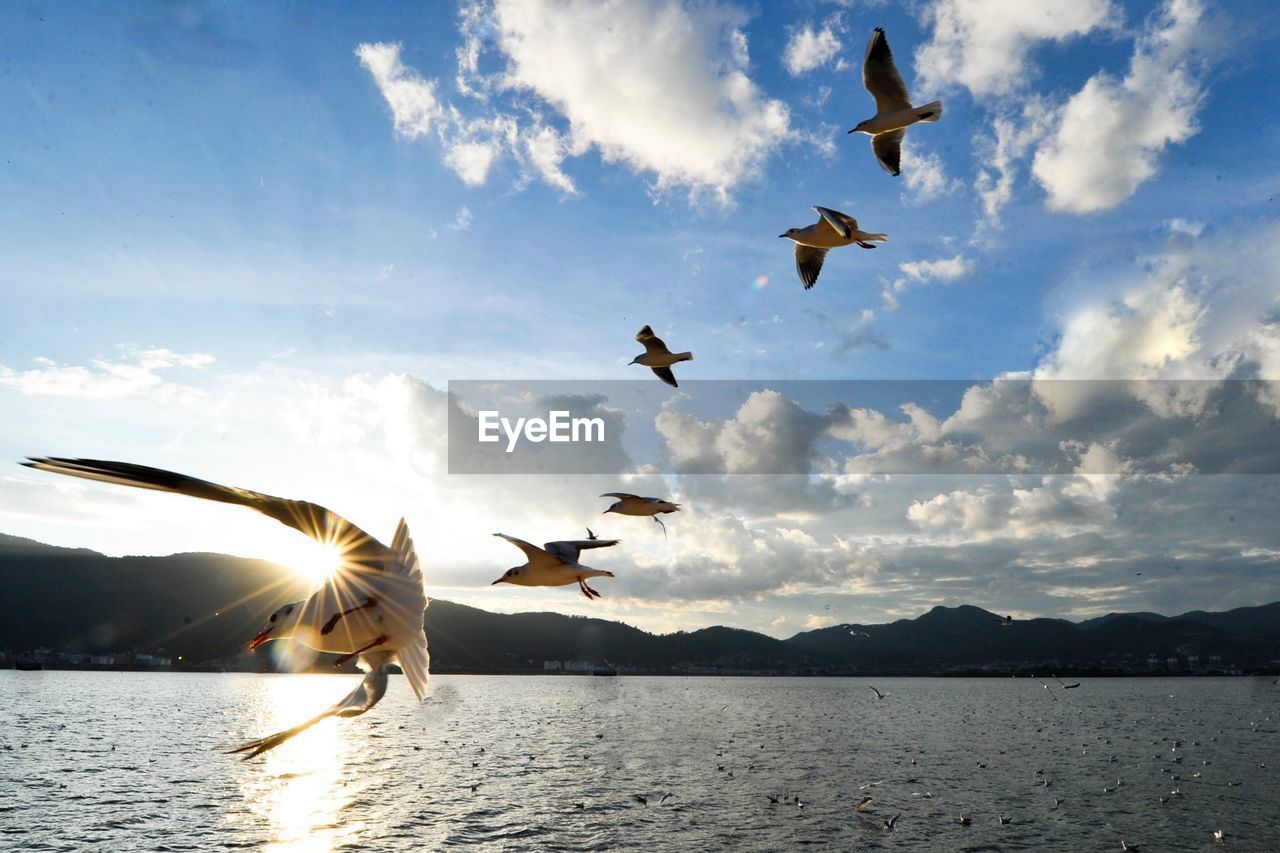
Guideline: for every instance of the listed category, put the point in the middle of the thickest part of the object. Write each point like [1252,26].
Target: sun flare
[313,560]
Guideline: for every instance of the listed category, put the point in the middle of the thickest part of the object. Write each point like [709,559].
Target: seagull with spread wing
[629,504]
[371,607]
[657,357]
[555,564]
[894,113]
[832,230]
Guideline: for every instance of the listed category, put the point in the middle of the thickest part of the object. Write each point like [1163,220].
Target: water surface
[130,761]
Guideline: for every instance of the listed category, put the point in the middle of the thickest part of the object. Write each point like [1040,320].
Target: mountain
[204,607]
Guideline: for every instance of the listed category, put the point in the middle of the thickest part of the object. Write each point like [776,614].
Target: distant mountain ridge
[205,606]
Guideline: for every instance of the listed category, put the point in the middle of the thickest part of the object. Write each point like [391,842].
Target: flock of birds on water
[372,607]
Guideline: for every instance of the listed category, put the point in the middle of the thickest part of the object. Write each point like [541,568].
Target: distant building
[1193,662]
[102,660]
[1173,663]
[1153,663]
[552,666]
[578,666]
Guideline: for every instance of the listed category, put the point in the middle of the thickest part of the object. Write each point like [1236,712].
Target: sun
[313,560]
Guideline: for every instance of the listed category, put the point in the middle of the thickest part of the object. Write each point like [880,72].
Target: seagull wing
[841,223]
[888,150]
[570,551]
[809,263]
[619,495]
[322,525]
[365,696]
[652,343]
[535,555]
[881,77]
[665,374]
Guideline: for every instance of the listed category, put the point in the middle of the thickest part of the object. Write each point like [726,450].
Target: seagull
[1064,685]
[555,564]
[370,608]
[628,504]
[864,803]
[865,785]
[832,230]
[641,799]
[1219,835]
[665,797]
[657,357]
[963,821]
[894,113]
[1005,820]
[892,823]
[879,695]
[1005,621]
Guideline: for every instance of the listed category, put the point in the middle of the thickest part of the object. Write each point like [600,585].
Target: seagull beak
[782,235]
[498,581]
[259,639]
[855,130]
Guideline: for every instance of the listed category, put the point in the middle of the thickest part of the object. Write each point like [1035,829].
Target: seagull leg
[342,660]
[866,245]
[663,526]
[333,620]
[586,590]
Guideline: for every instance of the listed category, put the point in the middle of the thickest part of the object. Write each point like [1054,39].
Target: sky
[255,243]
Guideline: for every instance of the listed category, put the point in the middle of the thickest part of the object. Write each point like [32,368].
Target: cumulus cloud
[1108,137]
[137,372]
[808,49]
[984,46]
[655,86]
[922,272]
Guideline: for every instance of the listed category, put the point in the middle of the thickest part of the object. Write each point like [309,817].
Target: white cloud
[807,49]
[921,272]
[984,45]
[926,176]
[1014,133]
[412,100]
[461,220]
[138,372]
[1108,137]
[653,85]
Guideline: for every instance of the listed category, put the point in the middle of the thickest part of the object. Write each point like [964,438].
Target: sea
[134,761]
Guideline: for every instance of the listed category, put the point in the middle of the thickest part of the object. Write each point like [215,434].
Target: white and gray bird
[879,695]
[658,358]
[628,504]
[555,564]
[894,113]
[370,607]
[832,230]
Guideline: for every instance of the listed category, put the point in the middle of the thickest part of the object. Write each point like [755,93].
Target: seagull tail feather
[929,112]
[682,356]
[415,662]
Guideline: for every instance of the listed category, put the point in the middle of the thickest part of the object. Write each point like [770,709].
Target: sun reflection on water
[298,792]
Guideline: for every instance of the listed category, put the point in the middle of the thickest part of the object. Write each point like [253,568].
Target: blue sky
[253,244]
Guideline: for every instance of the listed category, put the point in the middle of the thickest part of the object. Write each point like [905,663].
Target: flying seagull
[371,607]
[894,113]
[1066,686]
[628,504]
[555,564]
[879,695]
[892,823]
[658,358]
[832,230]
[864,803]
